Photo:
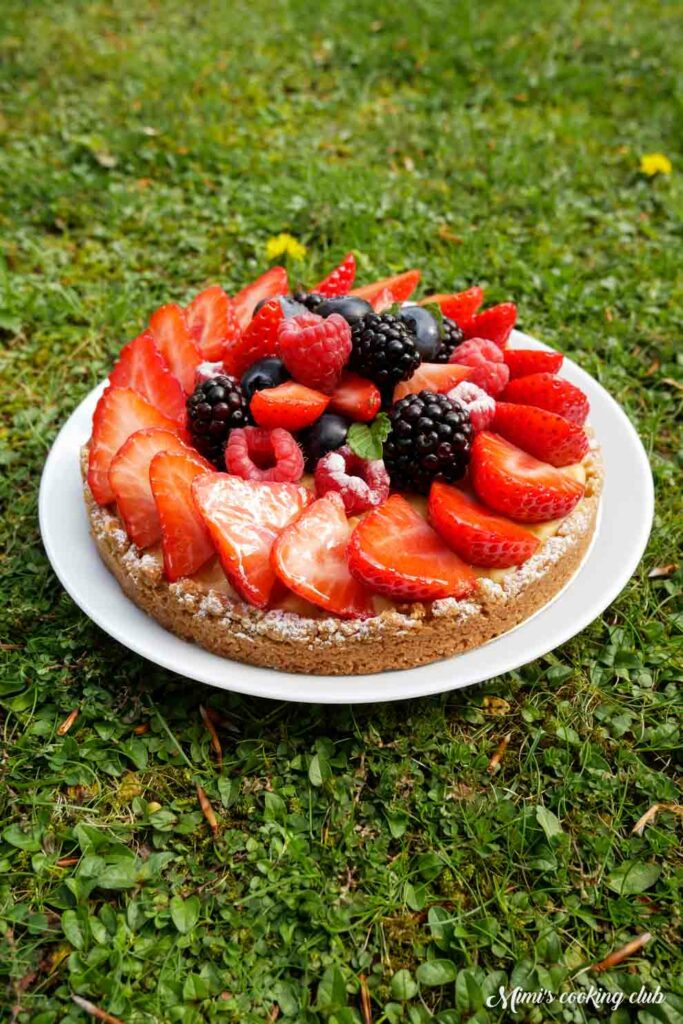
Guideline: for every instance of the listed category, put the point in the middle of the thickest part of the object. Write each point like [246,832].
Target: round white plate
[620,539]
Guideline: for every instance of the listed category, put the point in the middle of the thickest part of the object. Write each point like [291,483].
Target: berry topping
[273,282]
[522,362]
[474,533]
[543,434]
[340,281]
[357,398]
[480,406]
[244,517]
[361,483]
[141,366]
[438,377]
[518,485]
[394,551]
[327,434]
[213,409]
[119,413]
[425,329]
[348,306]
[495,323]
[207,371]
[451,337]
[212,320]
[171,334]
[257,454]
[400,287]
[185,540]
[384,349]
[258,341]
[549,392]
[315,350]
[309,556]
[290,405]
[430,437]
[488,369]
[264,373]
[458,306]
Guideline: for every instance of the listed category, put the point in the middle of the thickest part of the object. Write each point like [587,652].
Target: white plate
[627,510]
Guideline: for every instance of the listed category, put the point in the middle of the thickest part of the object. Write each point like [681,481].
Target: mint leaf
[366,440]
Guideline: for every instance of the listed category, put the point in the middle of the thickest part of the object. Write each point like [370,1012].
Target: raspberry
[361,484]
[315,350]
[480,406]
[266,455]
[489,369]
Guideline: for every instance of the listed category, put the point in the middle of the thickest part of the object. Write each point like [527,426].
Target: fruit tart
[339,480]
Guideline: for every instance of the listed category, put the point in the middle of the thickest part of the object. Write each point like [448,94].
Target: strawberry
[340,280]
[257,341]
[494,323]
[314,349]
[401,287]
[129,479]
[289,405]
[118,414]
[460,306]
[356,398]
[438,377]
[394,551]
[524,361]
[518,485]
[273,282]
[310,557]
[212,320]
[547,391]
[171,334]
[474,533]
[185,540]
[142,367]
[244,518]
[543,434]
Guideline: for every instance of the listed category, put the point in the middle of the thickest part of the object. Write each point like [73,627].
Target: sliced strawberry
[524,361]
[310,557]
[494,323]
[474,533]
[129,479]
[185,540]
[547,391]
[118,414]
[212,320]
[401,287]
[518,485]
[543,434]
[289,405]
[394,551]
[356,398]
[257,341]
[383,300]
[340,280]
[273,282]
[438,377]
[460,306]
[244,518]
[142,367]
[171,334]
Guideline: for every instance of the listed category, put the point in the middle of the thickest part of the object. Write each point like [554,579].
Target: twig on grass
[650,815]
[95,1011]
[207,810]
[63,729]
[211,729]
[365,1005]
[498,754]
[621,954]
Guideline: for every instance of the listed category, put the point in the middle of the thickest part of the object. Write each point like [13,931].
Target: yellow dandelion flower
[284,245]
[654,163]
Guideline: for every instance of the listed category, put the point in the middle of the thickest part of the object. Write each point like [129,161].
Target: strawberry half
[394,551]
[460,306]
[244,517]
[119,413]
[474,533]
[141,366]
[171,334]
[257,341]
[518,485]
[356,398]
[273,282]
[438,377]
[543,434]
[212,320]
[401,287]
[524,361]
[289,405]
[546,391]
[129,479]
[340,280]
[494,323]
[309,556]
[185,540]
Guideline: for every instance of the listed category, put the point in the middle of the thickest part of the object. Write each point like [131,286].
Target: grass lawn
[150,148]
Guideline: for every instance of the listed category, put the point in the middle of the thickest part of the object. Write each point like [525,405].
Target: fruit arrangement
[295,435]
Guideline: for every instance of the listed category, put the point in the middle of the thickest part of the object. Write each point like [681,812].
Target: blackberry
[430,437]
[384,349]
[451,337]
[311,300]
[213,409]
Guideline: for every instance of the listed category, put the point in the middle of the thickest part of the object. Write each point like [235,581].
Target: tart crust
[400,637]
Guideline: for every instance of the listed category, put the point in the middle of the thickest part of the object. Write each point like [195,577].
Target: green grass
[149,148]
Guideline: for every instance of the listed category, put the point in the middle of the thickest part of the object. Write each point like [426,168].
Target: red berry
[543,434]
[171,334]
[340,280]
[485,360]
[460,306]
[257,454]
[289,405]
[185,540]
[549,392]
[437,377]
[309,556]
[480,406]
[142,367]
[257,341]
[315,350]
[212,321]
[524,361]
[474,533]
[361,483]
[356,398]
[273,282]
[401,287]
[495,323]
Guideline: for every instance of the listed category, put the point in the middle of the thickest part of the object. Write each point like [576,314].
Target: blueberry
[326,434]
[265,373]
[351,307]
[425,327]
[290,307]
